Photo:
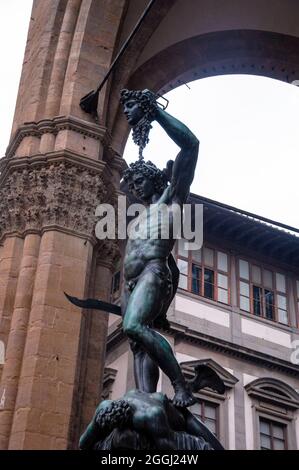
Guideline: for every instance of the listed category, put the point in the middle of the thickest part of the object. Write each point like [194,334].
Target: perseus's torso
[151,236]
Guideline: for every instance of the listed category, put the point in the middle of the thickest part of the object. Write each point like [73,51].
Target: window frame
[202,265]
[213,404]
[109,376]
[272,421]
[274,400]
[250,282]
[208,395]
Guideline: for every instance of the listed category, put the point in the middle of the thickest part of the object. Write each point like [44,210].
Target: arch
[254,52]
[274,390]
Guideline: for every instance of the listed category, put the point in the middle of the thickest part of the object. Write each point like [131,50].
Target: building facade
[237,310]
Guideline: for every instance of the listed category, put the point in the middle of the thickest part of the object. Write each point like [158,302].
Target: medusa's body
[118,423]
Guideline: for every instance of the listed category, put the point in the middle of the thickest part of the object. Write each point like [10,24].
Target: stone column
[94,341]
[46,386]
[10,258]
[11,255]
[70,46]
[55,199]
[17,334]
[44,28]
[58,167]
[61,58]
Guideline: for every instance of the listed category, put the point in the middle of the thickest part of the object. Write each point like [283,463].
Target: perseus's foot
[116,414]
[183,397]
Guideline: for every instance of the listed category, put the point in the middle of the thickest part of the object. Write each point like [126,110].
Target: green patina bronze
[143,418]
[146,421]
[150,272]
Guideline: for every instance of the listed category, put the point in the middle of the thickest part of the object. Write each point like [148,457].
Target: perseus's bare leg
[146,371]
[142,308]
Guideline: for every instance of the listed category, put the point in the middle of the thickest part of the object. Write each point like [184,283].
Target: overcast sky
[248,128]
[249,151]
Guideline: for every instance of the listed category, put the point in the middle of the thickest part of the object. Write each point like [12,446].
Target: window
[272,435]
[196,279]
[262,292]
[204,272]
[183,267]
[108,382]
[211,407]
[208,413]
[269,303]
[257,299]
[208,283]
[274,404]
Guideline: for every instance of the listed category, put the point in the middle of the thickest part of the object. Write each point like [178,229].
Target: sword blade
[94,304]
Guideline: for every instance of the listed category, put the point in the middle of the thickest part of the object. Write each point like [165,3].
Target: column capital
[60,189]
[54,126]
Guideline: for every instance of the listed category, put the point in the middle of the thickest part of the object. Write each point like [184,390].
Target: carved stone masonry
[108,253]
[51,193]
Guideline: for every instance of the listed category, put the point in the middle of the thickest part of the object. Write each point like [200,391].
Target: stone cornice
[38,160]
[50,228]
[275,391]
[216,344]
[53,126]
[234,349]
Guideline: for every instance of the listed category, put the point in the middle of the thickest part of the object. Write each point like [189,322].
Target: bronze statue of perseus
[144,418]
[150,271]
[151,275]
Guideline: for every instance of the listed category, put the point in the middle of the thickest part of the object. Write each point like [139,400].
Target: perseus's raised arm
[185,162]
